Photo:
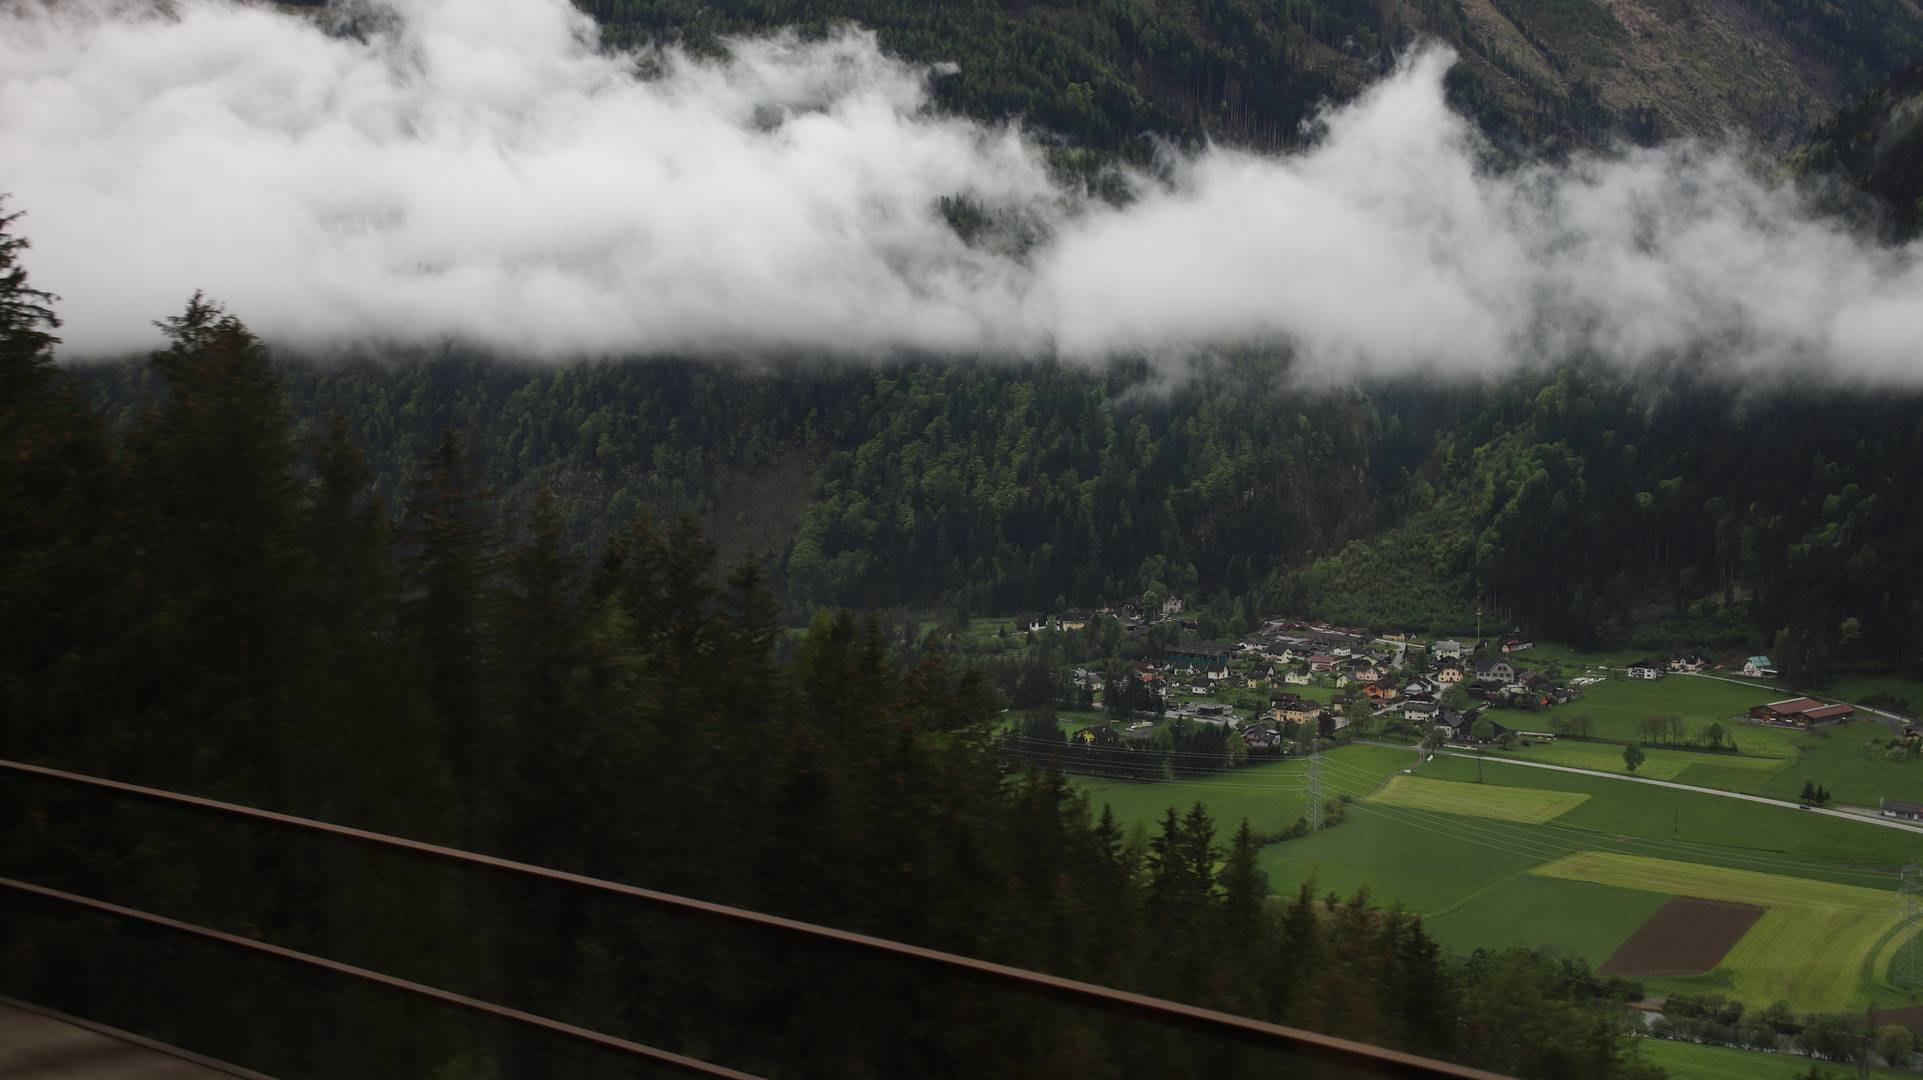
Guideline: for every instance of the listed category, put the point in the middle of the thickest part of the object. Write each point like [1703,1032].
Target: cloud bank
[477,171]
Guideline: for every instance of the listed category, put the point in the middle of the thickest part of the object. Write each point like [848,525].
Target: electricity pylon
[1315,791]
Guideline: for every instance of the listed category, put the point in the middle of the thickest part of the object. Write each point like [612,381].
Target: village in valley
[1296,686]
[1679,822]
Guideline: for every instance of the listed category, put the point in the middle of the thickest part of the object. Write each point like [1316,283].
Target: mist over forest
[596,436]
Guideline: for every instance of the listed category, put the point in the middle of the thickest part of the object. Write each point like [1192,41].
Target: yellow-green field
[1809,948]
[1500,803]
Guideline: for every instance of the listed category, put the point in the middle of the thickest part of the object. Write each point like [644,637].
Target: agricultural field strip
[1589,836]
[1544,847]
[1721,883]
[1779,803]
[1530,805]
[1810,953]
[1589,839]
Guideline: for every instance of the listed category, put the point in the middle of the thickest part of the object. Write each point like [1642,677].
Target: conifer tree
[219,519]
[448,546]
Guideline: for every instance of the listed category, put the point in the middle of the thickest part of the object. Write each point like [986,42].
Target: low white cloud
[479,172]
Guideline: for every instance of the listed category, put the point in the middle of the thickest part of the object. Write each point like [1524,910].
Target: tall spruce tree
[61,563]
[218,517]
[449,552]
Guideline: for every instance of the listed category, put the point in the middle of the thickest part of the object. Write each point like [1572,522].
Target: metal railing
[1225,1027]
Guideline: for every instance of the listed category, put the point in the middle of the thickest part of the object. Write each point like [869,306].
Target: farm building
[1908,811]
[1030,620]
[1646,668]
[1759,667]
[1513,643]
[1802,712]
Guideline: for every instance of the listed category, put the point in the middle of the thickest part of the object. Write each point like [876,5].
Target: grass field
[1835,758]
[1658,763]
[1573,662]
[1700,827]
[1856,687]
[1809,948]
[1694,1061]
[1577,918]
[1615,708]
[1501,803]
[1425,867]
[1269,796]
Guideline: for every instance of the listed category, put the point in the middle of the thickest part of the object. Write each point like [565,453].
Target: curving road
[1844,814]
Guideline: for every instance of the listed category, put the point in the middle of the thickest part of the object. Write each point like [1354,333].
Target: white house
[1646,669]
[1759,667]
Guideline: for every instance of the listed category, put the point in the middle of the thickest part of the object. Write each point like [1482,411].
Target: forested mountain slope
[1584,507]
[1876,143]
[1102,75]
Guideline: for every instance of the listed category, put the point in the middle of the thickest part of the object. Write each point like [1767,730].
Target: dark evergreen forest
[214,598]
[1585,507]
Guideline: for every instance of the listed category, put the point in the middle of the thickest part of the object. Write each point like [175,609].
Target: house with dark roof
[1197,653]
[1907,811]
[1030,620]
[1647,668]
[1514,643]
[1495,670]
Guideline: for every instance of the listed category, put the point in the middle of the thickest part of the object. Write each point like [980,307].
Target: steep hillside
[1102,75]
[1875,146]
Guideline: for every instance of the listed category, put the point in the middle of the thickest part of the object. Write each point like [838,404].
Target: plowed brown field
[1688,936]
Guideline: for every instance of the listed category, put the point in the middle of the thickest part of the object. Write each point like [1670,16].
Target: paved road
[39,1046]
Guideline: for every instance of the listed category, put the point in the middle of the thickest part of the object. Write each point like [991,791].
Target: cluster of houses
[1296,654]
[1135,618]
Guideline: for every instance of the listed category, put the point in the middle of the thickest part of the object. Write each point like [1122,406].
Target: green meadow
[1269,797]
[1617,706]
[1420,861]
[1856,775]
[1695,1061]
[1577,918]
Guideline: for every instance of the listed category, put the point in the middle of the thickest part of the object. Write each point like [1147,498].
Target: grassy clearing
[1694,1061]
[1701,827]
[1425,869]
[1574,662]
[1617,706]
[1579,918]
[1500,803]
[1808,948]
[1836,758]
[1857,687]
[1269,796]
